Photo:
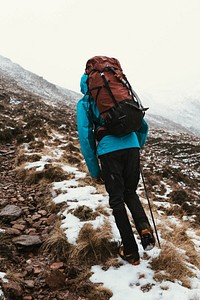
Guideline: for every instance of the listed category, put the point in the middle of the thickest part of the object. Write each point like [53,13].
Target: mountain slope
[32,83]
[159,122]
[184,112]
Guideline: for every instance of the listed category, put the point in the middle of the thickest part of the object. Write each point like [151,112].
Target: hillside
[57,235]
[16,79]
[183,111]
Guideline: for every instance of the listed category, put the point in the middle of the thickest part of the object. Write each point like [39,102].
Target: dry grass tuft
[23,158]
[179,238]
[170,265]
[49,173]
[84,213]
[47,203]
[101,210]
[36,145]
[112,262]
[101,293]
[14,277]
[174,210]
[72,158]
[94,246]
[179,197]
[164,287]
[57,244]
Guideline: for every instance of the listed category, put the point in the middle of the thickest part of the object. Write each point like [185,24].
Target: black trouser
[121,172]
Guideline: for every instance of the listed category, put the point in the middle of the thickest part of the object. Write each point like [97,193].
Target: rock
[12,289]
[37,270]
[2,151]
[29,220]
[30,231]
[12,231]
[36,217]
[11,212]
[55,279]
[42,212]
[27,240]
[37,224]
[19,227]
[14,200]
[44,220]
[3,202]
[57,265]
[21,199]
[29,283]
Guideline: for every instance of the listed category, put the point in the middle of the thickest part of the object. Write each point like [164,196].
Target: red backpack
[118,104]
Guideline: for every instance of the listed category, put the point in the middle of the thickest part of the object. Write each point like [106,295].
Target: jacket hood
[83,84]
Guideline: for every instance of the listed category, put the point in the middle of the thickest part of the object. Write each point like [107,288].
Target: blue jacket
[88,118]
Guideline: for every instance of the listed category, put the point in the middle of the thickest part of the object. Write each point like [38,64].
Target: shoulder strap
[109,89]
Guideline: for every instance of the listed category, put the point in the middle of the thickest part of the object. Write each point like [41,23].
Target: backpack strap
[108,88]
[99,130]
[98,88]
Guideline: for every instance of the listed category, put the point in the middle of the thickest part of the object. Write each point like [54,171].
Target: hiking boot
[133,258]
[147,239]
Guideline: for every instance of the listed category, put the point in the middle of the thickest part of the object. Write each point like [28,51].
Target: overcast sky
[156,41]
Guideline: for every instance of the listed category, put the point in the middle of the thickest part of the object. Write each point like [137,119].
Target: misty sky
[156,41]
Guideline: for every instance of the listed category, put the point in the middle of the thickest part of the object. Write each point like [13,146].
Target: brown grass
[179,197]
[101,293]
[170,265]
[47,203]
[174,210]
[84,213]
[94,245]
[23,158]
[179,238]
[36,145]
[14,277]
[100,210]
[57,244]
[50,173]
[112,262]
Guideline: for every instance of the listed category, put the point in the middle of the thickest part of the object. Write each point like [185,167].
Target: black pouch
[124,118]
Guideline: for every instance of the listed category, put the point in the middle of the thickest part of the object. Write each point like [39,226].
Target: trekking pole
[146,192]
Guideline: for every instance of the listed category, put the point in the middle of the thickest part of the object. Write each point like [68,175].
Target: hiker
[116,160]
